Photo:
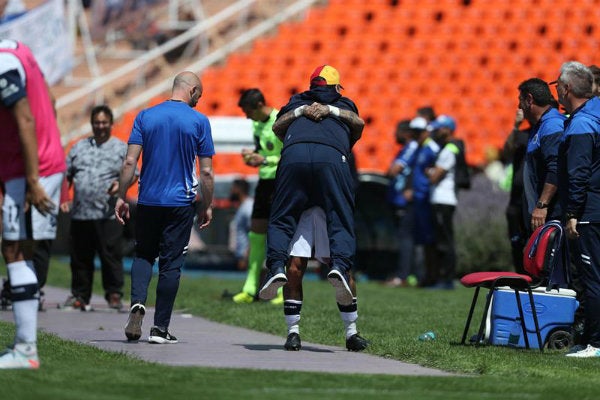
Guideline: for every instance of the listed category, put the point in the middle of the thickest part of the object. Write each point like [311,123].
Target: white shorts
[311,234]
[18,225]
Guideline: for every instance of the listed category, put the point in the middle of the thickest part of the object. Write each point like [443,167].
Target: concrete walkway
[207,344]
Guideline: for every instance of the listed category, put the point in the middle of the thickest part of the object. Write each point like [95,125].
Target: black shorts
[263,198]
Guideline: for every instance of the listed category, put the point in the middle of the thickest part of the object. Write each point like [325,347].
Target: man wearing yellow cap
[318,128]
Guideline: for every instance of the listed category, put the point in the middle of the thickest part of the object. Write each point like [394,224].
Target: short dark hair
[539,90]
[251,98]
[403,125]
[427,112]
[103,108]
[242,184]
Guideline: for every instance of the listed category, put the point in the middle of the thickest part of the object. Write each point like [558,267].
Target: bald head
[187,88]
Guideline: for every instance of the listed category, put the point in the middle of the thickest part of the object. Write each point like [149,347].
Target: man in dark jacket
[318,128]
[580,189]
[541,159]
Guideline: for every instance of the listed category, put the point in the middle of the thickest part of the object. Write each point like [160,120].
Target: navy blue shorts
[163,231]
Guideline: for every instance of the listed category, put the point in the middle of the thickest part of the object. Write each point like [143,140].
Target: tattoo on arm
[354,122]
[283,123]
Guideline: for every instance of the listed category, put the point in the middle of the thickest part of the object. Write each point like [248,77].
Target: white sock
[22,273]
[349,315]
[292,310]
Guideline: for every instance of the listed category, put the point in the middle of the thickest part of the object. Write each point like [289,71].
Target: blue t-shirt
[172,135]
[405,157]
[425,158]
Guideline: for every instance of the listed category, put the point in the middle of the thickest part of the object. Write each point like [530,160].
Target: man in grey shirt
[93,167]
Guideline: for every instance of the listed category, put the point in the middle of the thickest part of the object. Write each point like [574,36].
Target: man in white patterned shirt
[93,167]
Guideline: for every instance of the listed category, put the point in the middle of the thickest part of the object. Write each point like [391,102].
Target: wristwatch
[570,216]
[541,204]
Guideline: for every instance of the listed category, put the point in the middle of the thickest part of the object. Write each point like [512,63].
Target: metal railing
[211,58]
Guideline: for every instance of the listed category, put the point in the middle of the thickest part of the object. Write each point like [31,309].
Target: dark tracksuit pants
[162,232]
[89,237]
[589,246]
[312,174]
[405,225]
[445,249]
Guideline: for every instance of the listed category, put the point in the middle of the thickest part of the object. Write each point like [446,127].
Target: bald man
[171,137]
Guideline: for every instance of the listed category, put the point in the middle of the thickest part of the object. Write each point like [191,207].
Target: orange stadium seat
[465,58]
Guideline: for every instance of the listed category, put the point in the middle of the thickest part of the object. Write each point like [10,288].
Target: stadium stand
[463,57]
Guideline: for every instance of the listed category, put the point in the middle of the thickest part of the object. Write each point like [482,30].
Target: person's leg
[516,235]
[44,227]
[424,235]
[406,244]
[292,305]
[289,201]
[335,195]
[41,260]
[257,240]
[578,285]
[173,246]
[109,251]
[445,252]
[18,252]
[148,229]
[349,316]
[148,226]
[334,192]
[589,245]
[41,264]
[83,238]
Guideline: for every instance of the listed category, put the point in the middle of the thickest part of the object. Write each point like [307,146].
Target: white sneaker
[588,352]
[23,356]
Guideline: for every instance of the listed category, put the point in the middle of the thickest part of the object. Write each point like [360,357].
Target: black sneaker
[159,337]
[293,342]
[339,280]
[133,329]
[274,280]
[356,343]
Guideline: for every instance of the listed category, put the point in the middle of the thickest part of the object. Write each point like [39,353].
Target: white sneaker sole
[269,289]
[160,340]
[343,294]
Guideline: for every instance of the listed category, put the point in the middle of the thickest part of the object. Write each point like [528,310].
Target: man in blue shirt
[580,189]
[173,137]
[540,177]
[421,192]
[400,175]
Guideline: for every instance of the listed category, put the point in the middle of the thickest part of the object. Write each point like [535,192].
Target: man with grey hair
[580,189]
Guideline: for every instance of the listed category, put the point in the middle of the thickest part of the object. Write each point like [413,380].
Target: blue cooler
[555,311]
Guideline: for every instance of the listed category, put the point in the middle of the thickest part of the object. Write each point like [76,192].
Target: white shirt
[444,192]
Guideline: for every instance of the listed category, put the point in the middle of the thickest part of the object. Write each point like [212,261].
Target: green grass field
[391,319]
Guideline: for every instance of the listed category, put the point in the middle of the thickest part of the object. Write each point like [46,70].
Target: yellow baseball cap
[325,75]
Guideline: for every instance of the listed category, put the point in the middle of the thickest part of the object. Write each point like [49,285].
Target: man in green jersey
[265,156]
